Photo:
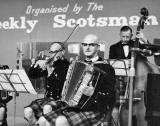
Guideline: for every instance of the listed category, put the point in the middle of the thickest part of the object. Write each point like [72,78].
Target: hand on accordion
[89,90]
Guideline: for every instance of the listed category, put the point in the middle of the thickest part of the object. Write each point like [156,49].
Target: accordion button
[95,101]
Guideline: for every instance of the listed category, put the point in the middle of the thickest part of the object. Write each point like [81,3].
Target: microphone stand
[131,82]
[132,74]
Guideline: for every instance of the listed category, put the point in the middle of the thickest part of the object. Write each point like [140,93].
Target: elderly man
[101,97]
[54,69]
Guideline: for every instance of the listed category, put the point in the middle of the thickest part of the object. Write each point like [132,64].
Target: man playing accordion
[54,69]
[99,92]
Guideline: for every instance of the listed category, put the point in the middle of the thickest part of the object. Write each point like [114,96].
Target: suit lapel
[121,50]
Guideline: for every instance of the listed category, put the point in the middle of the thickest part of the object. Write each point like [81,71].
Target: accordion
[80,75]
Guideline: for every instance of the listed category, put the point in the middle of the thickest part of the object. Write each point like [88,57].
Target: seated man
[54,69]
[100,98]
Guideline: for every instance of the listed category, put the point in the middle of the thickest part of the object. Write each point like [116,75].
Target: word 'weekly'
[21,23]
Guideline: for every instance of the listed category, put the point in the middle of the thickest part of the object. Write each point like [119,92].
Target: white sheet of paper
[121,67]
[18,79]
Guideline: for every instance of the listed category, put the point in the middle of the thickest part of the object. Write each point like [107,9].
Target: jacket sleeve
[107,90]
[35,73]
[112,53]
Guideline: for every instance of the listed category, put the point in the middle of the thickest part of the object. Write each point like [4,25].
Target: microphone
[143,51]
[147,52]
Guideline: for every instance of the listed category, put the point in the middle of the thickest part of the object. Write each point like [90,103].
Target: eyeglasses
[90,44]
[56,51]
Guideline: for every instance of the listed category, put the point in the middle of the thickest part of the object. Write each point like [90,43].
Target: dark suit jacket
[116,51]
[104,94]
[54,83]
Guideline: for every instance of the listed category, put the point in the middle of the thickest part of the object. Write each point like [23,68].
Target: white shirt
[126,50]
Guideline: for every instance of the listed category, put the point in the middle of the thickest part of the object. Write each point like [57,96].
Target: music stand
[121,68]
[15,81]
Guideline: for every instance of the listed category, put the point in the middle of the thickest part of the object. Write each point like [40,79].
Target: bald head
[91,38]
[90,46]
[55,46]
[56,51]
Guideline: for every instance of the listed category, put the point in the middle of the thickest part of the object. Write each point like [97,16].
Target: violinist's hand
[142,38]
[33,61]
[41,64]
[89,90]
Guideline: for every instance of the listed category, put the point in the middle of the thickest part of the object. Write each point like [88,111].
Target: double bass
[134,113]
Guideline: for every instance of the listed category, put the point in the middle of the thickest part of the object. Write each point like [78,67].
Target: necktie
[124,44]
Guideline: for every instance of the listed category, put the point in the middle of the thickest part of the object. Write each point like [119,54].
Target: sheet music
[121,67]
[16,80]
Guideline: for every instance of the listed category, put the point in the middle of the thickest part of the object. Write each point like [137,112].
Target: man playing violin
[54,68]
[101,97]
